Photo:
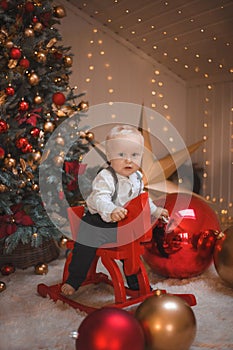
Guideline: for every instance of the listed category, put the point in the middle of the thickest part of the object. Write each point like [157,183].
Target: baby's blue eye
[121,154]
[134,155]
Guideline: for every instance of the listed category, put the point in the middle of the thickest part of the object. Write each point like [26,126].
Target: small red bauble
[21,142]
[4,4]
[35,19]
[29,7]
[23,106]
[3,126]
[35,132]
[7,269]
[27,149]
[15,53]
[10,91]
[59,98]
[2,153]
[24,62]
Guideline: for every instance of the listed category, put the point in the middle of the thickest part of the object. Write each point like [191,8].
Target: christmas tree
[35,99]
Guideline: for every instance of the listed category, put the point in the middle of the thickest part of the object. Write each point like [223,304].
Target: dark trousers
[93,232]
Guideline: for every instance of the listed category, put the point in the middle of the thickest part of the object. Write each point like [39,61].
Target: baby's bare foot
[67,289]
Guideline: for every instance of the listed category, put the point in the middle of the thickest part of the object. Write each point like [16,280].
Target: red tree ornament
[29,6]
[24,62]
[10,91]
[2,153]
[15,53]
[27,149]
[7,269]
[4,5]
[23,106]
[21,142]
[59,98]
[35,132]
[3,126]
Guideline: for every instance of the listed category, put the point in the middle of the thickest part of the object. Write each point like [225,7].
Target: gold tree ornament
[12,63]
[41,269]
[51,43]
[29,32]
[38,27]
[38,99]
[33,79]
[49,126]
[9,162]
[41,57]
[2,286]
[3,188]
[68,61]
[83,106]
[59,11]
[90,136]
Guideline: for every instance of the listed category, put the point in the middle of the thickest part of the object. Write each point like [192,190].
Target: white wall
[131,72]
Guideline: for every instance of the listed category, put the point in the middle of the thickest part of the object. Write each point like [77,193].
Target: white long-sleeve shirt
[103,188]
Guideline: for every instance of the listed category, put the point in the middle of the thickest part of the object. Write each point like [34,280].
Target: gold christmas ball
[63,241]
[9,162]
[41,57]
[223,256]
[168,323]
[36,156]
[38,99]
[9,44]
[68,61]
[38,27]
[35,187]
[82,134]
[59,11]
[2,286]
[41,269]
[58,161]
[83,106]
[3,188]
[49,126]
[29,32]
[33,79]
[90,136]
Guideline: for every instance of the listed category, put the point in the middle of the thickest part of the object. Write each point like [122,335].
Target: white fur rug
[30,322]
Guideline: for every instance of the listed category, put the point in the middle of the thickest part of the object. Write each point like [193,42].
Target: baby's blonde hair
[122,130]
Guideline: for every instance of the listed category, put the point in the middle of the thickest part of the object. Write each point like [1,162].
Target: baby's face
[125,154]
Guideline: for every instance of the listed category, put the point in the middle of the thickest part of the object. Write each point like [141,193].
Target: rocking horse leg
[143,280]
[117,279]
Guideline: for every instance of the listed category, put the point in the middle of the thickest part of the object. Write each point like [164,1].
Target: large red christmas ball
[3,126]
[110,329]
[59,98]
[223,256]
[184,247]
[15,53]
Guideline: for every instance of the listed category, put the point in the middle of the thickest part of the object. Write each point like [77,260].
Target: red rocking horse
[132,234]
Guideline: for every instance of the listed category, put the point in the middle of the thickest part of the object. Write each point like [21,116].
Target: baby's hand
[118,214]
[164,213]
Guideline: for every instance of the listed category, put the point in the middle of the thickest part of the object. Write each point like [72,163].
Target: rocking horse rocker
[132,234]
